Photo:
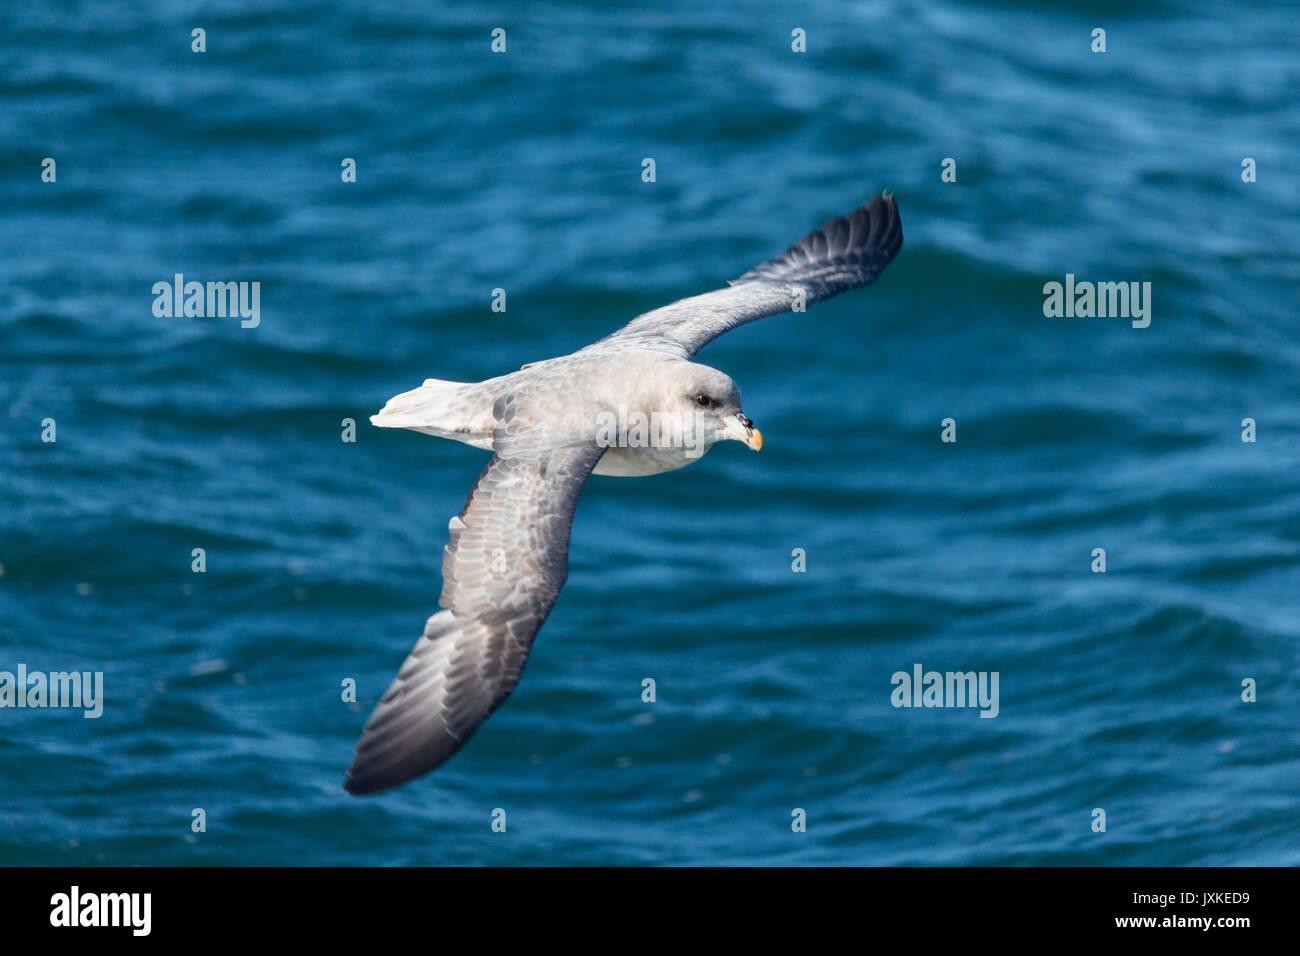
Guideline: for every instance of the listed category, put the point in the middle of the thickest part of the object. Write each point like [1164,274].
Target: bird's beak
[741,428]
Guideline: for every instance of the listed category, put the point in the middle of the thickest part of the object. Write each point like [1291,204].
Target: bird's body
[464,411]
[633,403]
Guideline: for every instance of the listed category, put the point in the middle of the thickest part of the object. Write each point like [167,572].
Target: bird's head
[713,400]
[671,403]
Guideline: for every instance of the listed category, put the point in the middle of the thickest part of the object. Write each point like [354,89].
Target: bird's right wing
[846,253]
[502,571]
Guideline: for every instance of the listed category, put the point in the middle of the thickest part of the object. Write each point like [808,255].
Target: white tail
[442,409]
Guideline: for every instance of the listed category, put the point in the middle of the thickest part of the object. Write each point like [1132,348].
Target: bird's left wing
[502,571]
[845,253]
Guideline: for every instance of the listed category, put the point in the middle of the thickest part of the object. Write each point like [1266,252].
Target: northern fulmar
[632,403]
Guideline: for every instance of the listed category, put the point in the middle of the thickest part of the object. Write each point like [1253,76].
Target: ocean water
[1119,691]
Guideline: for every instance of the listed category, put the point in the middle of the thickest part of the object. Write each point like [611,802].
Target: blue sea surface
[1120,691]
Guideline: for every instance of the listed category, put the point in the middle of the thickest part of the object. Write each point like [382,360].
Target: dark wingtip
[364,781]
[882,225]
[847,252]
[355,786]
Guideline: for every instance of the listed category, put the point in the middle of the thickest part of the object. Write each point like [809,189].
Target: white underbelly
[632,462]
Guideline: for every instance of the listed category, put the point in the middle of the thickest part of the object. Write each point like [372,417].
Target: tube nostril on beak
[744,420]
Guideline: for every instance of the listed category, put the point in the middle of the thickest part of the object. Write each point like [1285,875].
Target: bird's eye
[703,400]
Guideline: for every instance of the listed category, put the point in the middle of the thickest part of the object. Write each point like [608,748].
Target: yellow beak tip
[756,440]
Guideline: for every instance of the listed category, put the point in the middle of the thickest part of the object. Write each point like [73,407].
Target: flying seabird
[632,403]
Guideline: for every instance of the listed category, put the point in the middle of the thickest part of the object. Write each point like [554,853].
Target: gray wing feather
[846,253]
[502,571]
